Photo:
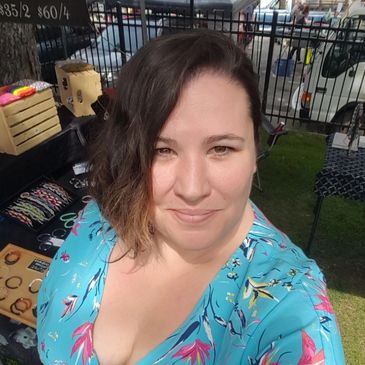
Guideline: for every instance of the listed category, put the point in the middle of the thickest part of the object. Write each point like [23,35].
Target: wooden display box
[78,89]
[21,280]
[27,122]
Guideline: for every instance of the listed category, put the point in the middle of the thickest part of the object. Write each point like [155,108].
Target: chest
[140,310]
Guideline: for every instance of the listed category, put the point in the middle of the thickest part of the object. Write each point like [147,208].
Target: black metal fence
[320,85]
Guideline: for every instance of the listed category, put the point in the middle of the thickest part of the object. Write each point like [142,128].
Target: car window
[348,49]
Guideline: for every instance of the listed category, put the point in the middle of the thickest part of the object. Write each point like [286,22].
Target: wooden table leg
[317,211]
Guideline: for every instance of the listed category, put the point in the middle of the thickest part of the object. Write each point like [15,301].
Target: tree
[18,53]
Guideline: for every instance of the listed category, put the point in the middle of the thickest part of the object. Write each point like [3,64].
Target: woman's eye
[164,151]
[221,150]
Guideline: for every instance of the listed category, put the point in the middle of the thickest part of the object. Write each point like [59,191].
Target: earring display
[21,275]
[39,204]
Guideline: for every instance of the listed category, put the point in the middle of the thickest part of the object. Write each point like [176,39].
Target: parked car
[107,53]
[334,83]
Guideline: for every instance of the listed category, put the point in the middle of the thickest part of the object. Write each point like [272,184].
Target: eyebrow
[208,140]
[220,137]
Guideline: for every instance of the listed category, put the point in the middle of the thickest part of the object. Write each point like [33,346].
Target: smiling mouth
[193,216]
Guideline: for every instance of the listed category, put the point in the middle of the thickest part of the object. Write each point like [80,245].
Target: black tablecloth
[54,159]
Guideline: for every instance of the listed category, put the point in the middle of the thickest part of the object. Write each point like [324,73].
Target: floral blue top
[267,305]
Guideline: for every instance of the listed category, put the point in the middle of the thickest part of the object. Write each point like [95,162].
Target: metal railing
[321,90]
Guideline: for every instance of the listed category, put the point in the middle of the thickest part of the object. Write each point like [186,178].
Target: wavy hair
[148,89]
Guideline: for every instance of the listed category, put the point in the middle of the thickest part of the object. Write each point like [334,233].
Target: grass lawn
[288,200]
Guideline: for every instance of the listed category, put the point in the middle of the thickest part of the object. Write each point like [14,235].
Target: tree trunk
[18,53]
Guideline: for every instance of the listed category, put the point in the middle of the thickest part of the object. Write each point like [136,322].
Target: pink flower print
[75,228]
[84,343]
[196,352]
[309,356]
[65,257]
[70,303]
[325,303]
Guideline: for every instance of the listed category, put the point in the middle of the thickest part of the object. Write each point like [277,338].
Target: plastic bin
[283,67]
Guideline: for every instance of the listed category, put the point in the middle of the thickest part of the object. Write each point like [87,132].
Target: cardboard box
[79,87]
[28,122]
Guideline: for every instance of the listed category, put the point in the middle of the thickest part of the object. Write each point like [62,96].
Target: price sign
[50,12]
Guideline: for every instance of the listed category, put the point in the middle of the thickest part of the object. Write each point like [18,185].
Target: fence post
[191,14]
[143,21]
[121,32]
[269,59]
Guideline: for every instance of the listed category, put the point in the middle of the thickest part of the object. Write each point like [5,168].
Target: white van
[334,83]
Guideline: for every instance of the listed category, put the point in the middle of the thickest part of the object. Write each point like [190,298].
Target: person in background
[172,263]
[300,18]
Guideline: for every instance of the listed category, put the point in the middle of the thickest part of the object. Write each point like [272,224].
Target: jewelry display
[34,289]
[21,275]
[40,204]
[48,240]
[12,257]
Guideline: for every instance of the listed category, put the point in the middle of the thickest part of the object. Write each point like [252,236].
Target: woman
[172,263]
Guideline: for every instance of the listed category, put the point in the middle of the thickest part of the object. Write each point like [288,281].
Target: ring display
[12,257]
[21,275]
[14,282]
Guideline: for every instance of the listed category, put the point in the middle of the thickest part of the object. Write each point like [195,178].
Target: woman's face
[203,166]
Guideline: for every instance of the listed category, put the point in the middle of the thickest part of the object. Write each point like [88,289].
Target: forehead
[211,103]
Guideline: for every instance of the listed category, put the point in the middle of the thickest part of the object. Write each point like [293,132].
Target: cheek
[162,181]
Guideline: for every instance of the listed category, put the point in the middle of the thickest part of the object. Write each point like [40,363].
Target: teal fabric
[267,305]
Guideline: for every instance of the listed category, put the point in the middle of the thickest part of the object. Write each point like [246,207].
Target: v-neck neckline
[152,356]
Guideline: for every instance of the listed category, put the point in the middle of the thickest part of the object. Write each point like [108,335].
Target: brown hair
[148,89]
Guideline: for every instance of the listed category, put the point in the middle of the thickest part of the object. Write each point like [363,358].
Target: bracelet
[40,202]
[51,198]
[45,246]
[22,304]
[4,292]
[12,257]
[62,193]
[13,310]
[20,217]
[30,287]
[9,286]
[86,198]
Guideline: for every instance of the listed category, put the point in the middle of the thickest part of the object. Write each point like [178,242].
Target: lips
[193,216]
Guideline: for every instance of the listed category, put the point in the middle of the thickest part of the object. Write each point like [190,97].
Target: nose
[192,183]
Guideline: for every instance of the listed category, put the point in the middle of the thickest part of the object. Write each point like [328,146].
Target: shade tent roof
[225,5]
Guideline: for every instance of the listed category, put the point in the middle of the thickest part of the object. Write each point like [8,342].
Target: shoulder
[287,296]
